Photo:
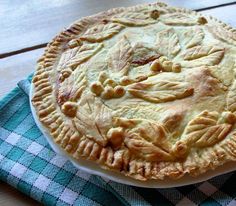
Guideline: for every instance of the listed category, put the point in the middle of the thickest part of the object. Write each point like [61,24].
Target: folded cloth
[29,164]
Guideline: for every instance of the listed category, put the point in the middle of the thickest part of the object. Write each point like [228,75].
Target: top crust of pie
[148,91]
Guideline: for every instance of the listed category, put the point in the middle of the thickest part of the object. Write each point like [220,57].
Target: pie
[148,91]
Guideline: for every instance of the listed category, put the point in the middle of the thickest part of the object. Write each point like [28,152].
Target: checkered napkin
[29,164]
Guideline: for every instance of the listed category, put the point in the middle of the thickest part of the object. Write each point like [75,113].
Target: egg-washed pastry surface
[148,91]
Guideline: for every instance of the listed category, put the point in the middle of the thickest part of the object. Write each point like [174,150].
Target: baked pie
[148,91]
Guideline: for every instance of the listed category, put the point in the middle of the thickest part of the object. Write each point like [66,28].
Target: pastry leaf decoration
[120,57]
[204,130]
[202,56]
[66,57]
[72,87]
[223,34]
[161,91]
[133,18]
[101,32]
[148,140]
[168,43]
[155,133]
[144,54]
[147,150]
[178,19]
[193,37]
[78,55]
[93,119]
[231,98]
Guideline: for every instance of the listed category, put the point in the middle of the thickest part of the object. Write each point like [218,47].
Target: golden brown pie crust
[148,91]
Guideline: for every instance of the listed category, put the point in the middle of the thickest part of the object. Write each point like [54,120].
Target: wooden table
[27,26]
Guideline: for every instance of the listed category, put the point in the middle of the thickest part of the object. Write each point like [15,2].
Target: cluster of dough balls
[164,64]
[106,87]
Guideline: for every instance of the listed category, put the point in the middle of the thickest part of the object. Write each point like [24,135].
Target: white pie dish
[94,169]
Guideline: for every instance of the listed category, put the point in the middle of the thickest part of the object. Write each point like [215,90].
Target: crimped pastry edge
[221,153]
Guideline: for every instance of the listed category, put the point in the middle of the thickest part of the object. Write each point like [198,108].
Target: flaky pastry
[148,91]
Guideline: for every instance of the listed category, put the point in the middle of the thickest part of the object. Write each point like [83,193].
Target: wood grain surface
[27,25]
[12,197]
[15,68]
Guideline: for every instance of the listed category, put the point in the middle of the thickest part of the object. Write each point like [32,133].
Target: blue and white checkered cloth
[29,164]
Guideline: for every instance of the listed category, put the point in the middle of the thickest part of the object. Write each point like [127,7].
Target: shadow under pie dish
[147,91]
